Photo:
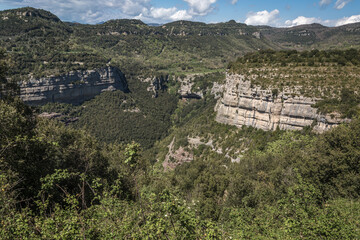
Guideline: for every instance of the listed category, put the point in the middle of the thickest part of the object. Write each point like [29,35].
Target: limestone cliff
[244,104]
[74,87]
[157,84]
[185,85]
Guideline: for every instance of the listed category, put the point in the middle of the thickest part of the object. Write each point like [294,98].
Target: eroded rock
[74,87]
[244,104]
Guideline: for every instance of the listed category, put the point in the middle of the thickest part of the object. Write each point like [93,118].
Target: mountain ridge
[40,43]
[35,12]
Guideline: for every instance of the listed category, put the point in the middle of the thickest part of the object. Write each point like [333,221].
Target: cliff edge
[73,87]
[244,104]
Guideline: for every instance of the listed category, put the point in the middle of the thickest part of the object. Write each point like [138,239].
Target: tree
[8,88]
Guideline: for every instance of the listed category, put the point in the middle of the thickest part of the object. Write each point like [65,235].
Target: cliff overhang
[74,87]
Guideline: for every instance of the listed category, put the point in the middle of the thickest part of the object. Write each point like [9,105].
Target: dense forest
[136,166]
[61,183]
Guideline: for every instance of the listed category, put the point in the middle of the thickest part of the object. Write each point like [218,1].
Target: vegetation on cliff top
[63,183]
[331,75]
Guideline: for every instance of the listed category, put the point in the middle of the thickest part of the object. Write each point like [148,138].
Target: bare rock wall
[73,87]
[244,104]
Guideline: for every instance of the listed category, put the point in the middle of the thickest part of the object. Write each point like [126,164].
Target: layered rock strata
[244,104]
[73,87]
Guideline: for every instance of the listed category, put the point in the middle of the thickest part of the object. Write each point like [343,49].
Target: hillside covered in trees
[136,166]
[40,44]
[57,182]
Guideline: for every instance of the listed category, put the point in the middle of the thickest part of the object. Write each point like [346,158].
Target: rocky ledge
[244,104]
[73,87]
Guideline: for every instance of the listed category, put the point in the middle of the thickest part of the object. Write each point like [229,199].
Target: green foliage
[32,149]
[350,56]
[203,83]
[314,74]
[332,164]
[287,185]
[8,88]
[132,154]
[120,117]
[59,182]
[41,45]
[347,105]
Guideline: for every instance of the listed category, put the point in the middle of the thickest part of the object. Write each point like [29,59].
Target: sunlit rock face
[244,104]
[73,87]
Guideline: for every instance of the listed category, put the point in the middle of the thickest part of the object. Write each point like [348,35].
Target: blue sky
[279,13]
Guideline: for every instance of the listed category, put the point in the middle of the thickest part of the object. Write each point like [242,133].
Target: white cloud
[181,15]
[94,11]
[126,6]
[200,7]
[162,12]
[340,4]
[348,20]
[262,17]
[301,20]
[172,14]
[90,15]
[325,2]
[233,2]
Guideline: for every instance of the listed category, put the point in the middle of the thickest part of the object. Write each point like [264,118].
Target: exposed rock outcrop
[74,87]
[185,89]
[244,104]
[157,84]
[177,157]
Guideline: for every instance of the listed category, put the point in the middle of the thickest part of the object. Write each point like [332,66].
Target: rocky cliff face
[244,104]
[185,85]
[74,87]
[157,84]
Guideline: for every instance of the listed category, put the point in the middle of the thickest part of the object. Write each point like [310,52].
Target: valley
[185,130]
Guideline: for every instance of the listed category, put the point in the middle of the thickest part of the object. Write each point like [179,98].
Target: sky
[277,13]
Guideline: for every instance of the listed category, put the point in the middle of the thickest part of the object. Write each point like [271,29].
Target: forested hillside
[152,162]
[62,183]
[40,44]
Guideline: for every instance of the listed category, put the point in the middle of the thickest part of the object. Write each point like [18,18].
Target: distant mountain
[41,44]
[154,24]
[24,20]
[315,35]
